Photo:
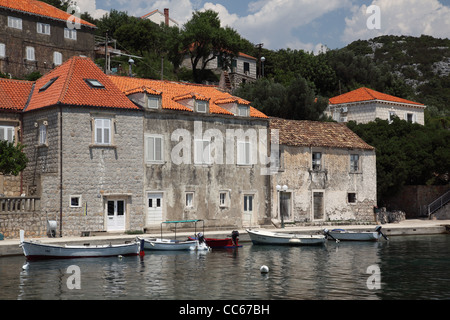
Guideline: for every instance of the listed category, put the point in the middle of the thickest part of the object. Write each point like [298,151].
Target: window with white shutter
[7,133]
[154,148]
[103,131]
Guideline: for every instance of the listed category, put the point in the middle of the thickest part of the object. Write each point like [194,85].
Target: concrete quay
[10,247]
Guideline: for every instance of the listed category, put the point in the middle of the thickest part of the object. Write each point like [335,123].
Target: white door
[248,209]
[155,208]
[116,215]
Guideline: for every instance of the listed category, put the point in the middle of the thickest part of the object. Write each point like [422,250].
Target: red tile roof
[14,94]
[366,94]
[317,134]
[176,91]
[39,8]
[70,88]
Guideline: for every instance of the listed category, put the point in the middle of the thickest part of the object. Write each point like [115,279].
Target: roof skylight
[48,84]
[93,83]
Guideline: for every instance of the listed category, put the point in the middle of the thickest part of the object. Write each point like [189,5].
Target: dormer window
[93,83]
[243,111]
[153,102]
[201,106]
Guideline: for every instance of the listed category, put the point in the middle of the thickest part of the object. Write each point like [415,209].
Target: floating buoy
[120,257]
[295,241]
[264,269]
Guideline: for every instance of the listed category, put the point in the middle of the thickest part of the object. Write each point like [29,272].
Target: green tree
[203,39]
[12,158]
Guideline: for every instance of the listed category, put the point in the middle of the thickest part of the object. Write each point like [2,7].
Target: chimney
[166,15]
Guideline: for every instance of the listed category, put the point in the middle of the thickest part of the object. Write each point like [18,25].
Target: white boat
[268,237]
[174,244]
[168,245]
[36,250]
[344,235]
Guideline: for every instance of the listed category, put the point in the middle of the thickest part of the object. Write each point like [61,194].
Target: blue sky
[301,24]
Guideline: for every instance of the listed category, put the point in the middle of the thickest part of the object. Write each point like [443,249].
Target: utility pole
[106,53]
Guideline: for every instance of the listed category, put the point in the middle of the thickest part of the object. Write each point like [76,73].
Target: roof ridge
[68,78]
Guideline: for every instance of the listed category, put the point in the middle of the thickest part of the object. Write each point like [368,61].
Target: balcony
[19,204]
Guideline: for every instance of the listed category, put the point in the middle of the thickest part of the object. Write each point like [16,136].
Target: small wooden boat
[268,237]
[36,250]
[226,243]
[161,244]
[344,235]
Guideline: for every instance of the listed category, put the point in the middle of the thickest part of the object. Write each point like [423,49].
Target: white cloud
[90,7]
[400,17]
[273,22]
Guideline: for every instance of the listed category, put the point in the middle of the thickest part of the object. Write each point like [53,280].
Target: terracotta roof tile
[71,88]
[317,134]
[176,91]
[366,94]
[39,8]
[14,94]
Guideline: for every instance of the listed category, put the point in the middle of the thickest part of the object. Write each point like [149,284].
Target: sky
[310,25]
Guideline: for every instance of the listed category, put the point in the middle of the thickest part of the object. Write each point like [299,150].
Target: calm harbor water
[410,267]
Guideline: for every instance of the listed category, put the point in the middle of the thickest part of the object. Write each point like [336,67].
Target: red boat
[226,243]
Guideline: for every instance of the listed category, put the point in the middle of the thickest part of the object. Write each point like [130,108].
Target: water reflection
[410,268]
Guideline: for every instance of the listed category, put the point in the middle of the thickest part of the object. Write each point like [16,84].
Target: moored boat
[161,244]
[36,250]
[227,243]
[278,238]
[345,235]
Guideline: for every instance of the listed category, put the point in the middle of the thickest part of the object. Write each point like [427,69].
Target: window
[103,131]
[154,151]
[7,133]
[243,111]
[317,160]
[2,50]
[244,153]
[410,117]
[43,133]
[351,197]
[57,58]
[70,34]
[224,197]
[248,203]
[48,84]
[43,28]
[354,162]
[189,199]
[75,201]
[15,23]
[202,106]
[153,102]
[391,116]
[30,54]
[246,67]
[93,83]
[202,152]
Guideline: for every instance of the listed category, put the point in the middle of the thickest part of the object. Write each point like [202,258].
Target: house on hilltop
[364,105]
[326,173]
[35,36]
[159,17]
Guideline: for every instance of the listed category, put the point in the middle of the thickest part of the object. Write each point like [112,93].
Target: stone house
[326,173]
[198,154]
[364,105]
[13,97]
[111,153]
[35,36]
[159,17]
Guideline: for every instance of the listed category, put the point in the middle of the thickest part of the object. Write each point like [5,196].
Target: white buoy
[25,266]
[120,257]
[264,269]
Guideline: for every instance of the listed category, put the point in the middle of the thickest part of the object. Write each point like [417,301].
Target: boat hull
[275,238]
[169,245]
[226,243]
[354,236]
[34,250]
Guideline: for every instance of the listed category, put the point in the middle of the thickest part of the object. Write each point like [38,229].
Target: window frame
[316,164]
[57,58]
[30,52]
[154,159]
[189,198]
[353,162]
[14,22]
[43,28]
[6,130]
[43,133]
[70,34]
[103,128]
[352,197]
[156,100]
[244,156]
[79,201]
[2,50]
[201,102]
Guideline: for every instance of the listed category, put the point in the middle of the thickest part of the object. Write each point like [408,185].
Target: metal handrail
[439,203]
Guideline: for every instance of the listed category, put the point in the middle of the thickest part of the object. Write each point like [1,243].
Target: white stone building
[364,105]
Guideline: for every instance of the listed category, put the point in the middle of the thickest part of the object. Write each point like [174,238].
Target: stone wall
[334,181]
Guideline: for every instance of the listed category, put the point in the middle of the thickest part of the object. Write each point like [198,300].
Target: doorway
[115,211]
[154,208]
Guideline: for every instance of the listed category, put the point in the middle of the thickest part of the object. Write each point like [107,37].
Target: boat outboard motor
[235,237]
[378,229]
[200,237]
